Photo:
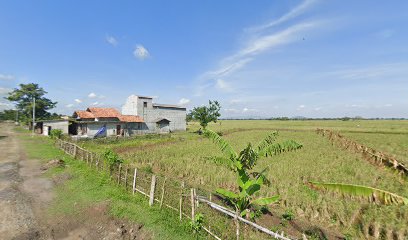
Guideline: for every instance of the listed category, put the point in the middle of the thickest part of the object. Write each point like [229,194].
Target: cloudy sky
[310,58]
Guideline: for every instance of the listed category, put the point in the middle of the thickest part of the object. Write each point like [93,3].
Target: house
[105,122]
[156,116]
[48,125]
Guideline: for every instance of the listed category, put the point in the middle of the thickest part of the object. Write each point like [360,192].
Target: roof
[161,119]
[84,114]
[130,118]
[93,112]
[104,112]
[167,106]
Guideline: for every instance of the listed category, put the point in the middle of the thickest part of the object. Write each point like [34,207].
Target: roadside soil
[26,194]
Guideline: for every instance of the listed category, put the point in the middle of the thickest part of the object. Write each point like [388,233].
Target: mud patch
[95,223]
[53,163]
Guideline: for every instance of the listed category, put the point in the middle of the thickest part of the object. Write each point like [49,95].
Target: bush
[112,159]
[55,133]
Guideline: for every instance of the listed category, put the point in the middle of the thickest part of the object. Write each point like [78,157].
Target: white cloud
[371,72]
[5,90]
[141,52]
[78,100]
[387,105]
[231,110]
[111,40]
[317,108]
[300,107]
[298,10]
[95,103]
[184,101]
[290,34]
[223,85]
[245,110]
[69,105]
[6,77]
[92,95]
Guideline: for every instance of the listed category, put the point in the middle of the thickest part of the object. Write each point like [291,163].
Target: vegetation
[372,194]
[191,158]
[23,97]
[55,133]
[112,159]
[97,188]
[206,114]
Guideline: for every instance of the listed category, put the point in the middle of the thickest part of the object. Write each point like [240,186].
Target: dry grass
[196,160]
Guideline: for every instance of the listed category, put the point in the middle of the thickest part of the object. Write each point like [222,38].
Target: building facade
[156,116]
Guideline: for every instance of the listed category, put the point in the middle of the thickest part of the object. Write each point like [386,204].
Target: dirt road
[20,183]
[26,194]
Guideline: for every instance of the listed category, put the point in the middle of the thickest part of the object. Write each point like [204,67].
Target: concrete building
[48,125]
[162,117]
[93,120]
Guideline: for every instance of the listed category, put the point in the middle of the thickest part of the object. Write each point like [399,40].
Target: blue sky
[309,58]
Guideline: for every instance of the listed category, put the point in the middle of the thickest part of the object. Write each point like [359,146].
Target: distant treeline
[306,118]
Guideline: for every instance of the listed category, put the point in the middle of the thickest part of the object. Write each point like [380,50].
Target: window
[145,104]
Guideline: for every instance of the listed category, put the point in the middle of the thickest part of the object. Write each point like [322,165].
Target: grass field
[196,160]
[86,188]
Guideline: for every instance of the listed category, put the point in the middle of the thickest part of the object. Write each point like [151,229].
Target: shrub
[112,159]
[55,133]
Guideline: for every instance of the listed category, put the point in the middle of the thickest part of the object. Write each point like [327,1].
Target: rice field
[194,159]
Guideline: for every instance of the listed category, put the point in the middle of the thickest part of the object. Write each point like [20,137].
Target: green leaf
[265,201]
[227,193]
[253,189]
[373,194]
[221,143]
[242,178]
[267,141]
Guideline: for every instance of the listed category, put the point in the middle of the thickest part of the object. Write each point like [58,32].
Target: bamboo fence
[185,201]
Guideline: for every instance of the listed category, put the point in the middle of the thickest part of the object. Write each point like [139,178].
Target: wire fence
[369,154]
[185,201]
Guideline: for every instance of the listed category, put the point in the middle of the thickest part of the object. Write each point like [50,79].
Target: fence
[185,201]
[371,155]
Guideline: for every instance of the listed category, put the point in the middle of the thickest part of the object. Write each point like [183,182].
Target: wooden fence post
[192,204]
[181,200]
[120,170]
[162,195]
[134,181]
[126,173]
[152,187]
[75,151]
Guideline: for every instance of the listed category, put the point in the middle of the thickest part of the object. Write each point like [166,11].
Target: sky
[261,58]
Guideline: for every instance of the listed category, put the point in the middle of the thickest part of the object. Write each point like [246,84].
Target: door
[118,130]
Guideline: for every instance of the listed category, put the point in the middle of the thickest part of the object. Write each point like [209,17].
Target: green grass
[197,161]
[87,187]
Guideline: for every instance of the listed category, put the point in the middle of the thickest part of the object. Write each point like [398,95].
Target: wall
[92,128]
[176,116]
[62,125]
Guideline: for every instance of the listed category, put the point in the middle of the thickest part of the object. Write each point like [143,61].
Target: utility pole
[33,114]
[16,116]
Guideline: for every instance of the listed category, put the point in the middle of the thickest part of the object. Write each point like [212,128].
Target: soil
[25,195]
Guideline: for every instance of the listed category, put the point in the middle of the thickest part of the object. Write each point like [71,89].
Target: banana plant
[249,182]
[372,194]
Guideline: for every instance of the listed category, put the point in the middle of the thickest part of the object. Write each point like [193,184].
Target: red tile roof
[84,114]
[104,112]
[130,118]
[94,112]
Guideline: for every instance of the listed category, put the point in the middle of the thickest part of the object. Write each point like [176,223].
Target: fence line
[370,154]
[170,193]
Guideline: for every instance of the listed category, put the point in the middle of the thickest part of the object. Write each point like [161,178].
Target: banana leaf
[373,194]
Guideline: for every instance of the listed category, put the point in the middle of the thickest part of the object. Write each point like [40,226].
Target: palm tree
[249,182]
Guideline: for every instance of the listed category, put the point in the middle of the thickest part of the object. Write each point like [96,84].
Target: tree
[23,97]
[249,182]
[207,114]
[8,114]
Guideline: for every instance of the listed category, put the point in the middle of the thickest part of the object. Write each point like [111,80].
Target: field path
[20,183]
